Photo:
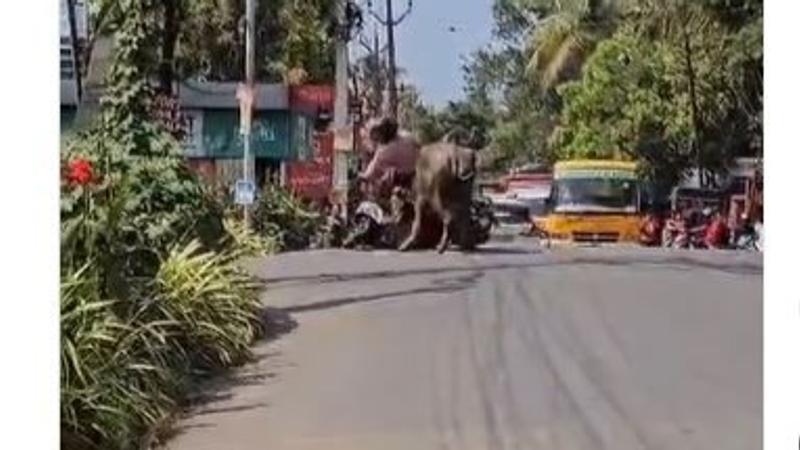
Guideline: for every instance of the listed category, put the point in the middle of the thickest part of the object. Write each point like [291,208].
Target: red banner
[313,179]
[311,99]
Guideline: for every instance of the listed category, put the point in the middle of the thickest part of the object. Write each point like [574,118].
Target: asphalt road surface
[508,348]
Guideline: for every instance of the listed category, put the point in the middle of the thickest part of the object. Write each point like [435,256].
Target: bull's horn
[447,138]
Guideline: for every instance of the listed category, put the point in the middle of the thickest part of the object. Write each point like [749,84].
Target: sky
[430,53]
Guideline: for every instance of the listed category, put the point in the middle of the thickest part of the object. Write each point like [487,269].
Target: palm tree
[562,41]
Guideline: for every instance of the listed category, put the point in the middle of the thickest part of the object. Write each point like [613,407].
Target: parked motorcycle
[748,239]
[651,232]
[483,219]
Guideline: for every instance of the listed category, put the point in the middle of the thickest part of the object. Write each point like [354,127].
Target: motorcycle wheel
[483,220]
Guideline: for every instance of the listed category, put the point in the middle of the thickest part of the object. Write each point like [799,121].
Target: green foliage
[290,35]
[565,36]
[214,303]
[207,40]
[140,312]
[282,217]
[673,89]
[246,242]
[136,210]
[124,369]
[621,95]
[308,46]
[690,91]
[119,375]
[624,106]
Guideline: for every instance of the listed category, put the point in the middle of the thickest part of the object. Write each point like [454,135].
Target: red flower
[80,172]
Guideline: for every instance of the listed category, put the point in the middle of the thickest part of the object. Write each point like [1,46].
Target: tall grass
[125,364]
[246,242]
[215,304]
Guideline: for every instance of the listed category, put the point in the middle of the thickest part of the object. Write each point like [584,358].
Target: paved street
[509,348]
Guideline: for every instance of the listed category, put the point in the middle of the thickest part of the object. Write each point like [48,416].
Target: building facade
[213,141]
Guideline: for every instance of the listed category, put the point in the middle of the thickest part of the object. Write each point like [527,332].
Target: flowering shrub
[80,172]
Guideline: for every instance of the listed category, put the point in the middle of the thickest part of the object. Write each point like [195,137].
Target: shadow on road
[217,388]
[674,263]
[277,322]
[439,286]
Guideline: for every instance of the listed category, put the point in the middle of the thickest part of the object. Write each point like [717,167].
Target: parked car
[519,196]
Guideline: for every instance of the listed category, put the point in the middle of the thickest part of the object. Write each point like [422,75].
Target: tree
[205,38]
[172,17]
[707,36]
[520,113]
[668,90]
[564,36]
[698,103]
[372,75]
[625,107]
[308,45]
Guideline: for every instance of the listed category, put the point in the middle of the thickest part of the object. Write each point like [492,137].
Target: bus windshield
[595,195]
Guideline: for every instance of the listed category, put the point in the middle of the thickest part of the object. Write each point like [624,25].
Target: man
[650,233]
[395,156]
[717,232]
[674,233]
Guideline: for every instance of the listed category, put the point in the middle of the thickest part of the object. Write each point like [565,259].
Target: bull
[443,185]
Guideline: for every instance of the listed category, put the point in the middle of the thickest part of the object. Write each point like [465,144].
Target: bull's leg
[447,220]
[416,226]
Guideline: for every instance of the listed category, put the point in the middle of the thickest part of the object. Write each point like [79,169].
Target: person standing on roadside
[717,233]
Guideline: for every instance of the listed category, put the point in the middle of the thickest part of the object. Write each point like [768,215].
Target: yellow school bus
[593,201]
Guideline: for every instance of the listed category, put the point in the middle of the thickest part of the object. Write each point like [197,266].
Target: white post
[283,174]
[340,107]
[250,75]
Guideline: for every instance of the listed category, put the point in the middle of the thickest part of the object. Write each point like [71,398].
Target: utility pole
[390,22]
[392,61]
[374,78]
[249,94]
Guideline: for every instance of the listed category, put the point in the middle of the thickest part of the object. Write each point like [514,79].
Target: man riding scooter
[394,160]
[384,183]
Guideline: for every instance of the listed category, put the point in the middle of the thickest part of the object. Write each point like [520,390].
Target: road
[509,348]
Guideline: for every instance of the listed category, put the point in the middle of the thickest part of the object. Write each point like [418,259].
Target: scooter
[377,227]
[369,227]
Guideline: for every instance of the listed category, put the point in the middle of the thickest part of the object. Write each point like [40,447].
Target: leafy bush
[124,368]
[118,376]
[245,242]
[215,303]
[150,202]
[281,216]
[140,312]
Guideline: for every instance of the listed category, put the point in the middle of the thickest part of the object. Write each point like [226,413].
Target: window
[596,194]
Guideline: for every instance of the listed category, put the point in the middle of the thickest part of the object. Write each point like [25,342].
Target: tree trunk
[171,27]
[696,121]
